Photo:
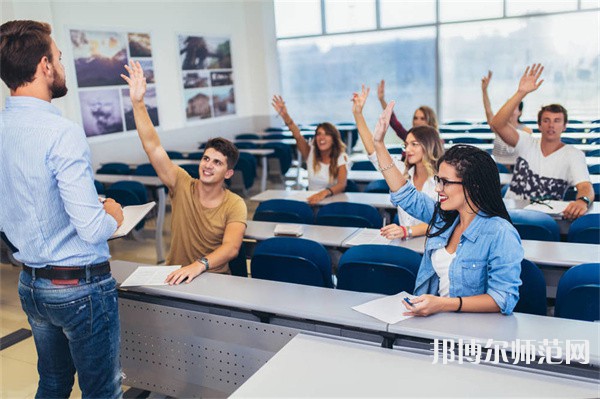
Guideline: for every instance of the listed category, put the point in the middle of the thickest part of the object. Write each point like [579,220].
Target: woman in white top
[326,158]
[502,152]
[423,148]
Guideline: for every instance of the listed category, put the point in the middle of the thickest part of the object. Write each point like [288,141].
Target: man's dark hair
[226,148]
[22,46]
[555,109]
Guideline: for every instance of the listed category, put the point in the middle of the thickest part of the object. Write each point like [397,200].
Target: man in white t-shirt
[546,167]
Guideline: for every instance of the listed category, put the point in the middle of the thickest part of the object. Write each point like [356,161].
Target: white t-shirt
[537,176]
[441,260]
[320,179]
[502,152]
[428,188]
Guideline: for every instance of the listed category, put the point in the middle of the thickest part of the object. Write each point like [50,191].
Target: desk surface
[310,366]
[150,181]
[330,236]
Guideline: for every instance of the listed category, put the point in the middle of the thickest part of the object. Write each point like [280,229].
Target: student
[546,167]
[423,148]
[473,254]
[326,159]
[208,221]
[423,116]
[502,152]
[51,213]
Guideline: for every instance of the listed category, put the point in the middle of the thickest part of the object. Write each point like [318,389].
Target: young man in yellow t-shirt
[208,221]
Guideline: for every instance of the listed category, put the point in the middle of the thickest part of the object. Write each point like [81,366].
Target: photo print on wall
[207,76]
[99,57]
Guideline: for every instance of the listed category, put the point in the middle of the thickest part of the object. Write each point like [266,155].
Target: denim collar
[471,233]
[23,102]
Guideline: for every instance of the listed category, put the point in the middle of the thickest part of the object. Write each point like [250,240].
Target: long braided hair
[481,186]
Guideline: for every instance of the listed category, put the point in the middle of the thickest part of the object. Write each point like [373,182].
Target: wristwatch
[204,261]
[586,200]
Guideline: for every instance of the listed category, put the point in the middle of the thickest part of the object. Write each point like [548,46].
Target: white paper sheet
[367,236]
[288,229]
[132,215]
[550,207]
[149,275]
[388,309]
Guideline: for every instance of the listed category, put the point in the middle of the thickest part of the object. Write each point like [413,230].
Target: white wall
[249,23]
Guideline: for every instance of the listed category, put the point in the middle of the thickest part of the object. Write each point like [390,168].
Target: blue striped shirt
[49,207]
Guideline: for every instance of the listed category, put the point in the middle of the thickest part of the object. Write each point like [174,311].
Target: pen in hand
[408,301]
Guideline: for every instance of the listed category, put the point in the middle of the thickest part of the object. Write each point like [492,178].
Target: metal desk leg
[160,221]
[263,178]
[298,169]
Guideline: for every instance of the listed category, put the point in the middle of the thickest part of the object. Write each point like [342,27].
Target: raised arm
[485,82]
[165,168]
[281,109]
[500,123]
[358,102]
[390,172]
[381,94]
[395,124]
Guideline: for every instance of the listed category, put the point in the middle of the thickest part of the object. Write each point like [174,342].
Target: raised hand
[136,81]
[381,90]
[279,105]
[359,100]
[485,81]
[383,123]
[529,81]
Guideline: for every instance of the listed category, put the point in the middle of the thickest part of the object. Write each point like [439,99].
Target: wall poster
[207,77]
[99,57]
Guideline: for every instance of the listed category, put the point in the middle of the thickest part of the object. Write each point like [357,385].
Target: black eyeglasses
[541,201]
[442,183]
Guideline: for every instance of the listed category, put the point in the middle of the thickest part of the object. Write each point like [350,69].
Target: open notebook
[132,215]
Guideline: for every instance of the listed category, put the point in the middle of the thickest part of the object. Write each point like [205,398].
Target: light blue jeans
[75,328]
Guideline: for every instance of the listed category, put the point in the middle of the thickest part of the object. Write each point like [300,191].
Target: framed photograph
[221,78]
[101,111]
[139,45]
[198,103]
[151,106]
[223,100]
[195,79]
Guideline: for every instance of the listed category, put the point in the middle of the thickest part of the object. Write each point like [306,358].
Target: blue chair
[585,229]
[283,153]
[284,211]
[595,129]
[145,169]
[175,155]
[593,153]
[468,140]
[396,151]
[114,168]
[381,269]
[138,188]
[99,187]
[275,129]
[247,136]
[378,186]
[594,169]
[196,155]
[479,130]
[349,214]
[570,194]
[596,187]
[362,165]
[245,145]
[578,293]
[453,123]
[504,189]
[533,225]
[570,140]
[292,260]
[352,187]
[532,293]
[245,174]
[449,130]
[238,265]
[275,136]
[191,169]
[128,193]
[502,168]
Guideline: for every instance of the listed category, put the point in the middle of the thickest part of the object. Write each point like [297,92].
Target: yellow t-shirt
[196,231]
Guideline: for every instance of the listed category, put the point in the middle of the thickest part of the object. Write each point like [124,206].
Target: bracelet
[330,192]
[390,166]
[409,231]
[404,231]
[459,305]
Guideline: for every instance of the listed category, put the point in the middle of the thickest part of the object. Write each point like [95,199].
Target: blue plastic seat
[352,187]
[585,229]
[468,140]
[532,292]
[502,168]
[453,123]
[570,194]
[275,136]
[191,169]
[533,225]
[378,186]
[245,174]
[396,151]
[238,265]
[382,269]
[138,188]
[99,187]
[283,153]
[275,129]
[128,193]
[362,165]
[570,140]
[596,187]
[145,169]
[196,155]
[594,169]
[175,155]
[292,260]
[114,168]
[349,214]
[245,145]
[247,136]
[578,293]
[479,130]
[284,211]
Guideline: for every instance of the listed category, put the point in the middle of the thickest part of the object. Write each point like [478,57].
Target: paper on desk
[550,207]
[149,275]
[388,309]
[132,215]
[367,236]
[288,229]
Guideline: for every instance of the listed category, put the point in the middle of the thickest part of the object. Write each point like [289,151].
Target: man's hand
[114,209]
[575,209]
[381,90]
[529,81]
[485,81]
[383,123]
[186,273]
[136,81]
[359,100]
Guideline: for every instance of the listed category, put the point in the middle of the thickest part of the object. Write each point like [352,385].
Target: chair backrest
[382,269]
[502,168]
[238,265]
[504,189]
[532,292]
[292,260]
[479,130]
[570,140]
[245,145]
[570,194]
[593,153]
[247,165]
[534,225]
[596,187]
[283,152]
[138,188]
[452,123]
[468,140]
[349,214]
[247,136]
[362,165]
[275,136]
[175,155]
[585,229]
[99,187]
[378,186]
[284,211]
[396,150]
[191,169]
[126,196]
[114,168]
[145,169]
[196,155]
[274,129]
[351,187]
[594,169]
[578,293]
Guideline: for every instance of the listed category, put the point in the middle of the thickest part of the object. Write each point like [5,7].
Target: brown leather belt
[67,272]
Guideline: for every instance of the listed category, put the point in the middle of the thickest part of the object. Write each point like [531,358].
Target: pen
[408,301]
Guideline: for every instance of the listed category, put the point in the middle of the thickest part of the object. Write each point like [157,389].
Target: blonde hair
[337,148]
[430,116]
[433,147]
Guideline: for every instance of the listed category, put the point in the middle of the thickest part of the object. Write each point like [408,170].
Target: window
[405,13]
[464,10]
[524,7]
[349,15]
[298,17]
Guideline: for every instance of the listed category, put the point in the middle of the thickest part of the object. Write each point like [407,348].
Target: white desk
[154,183]
[310,366]
[329,236]
[377,200]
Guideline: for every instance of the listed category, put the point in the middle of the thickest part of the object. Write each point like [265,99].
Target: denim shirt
[488,257]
